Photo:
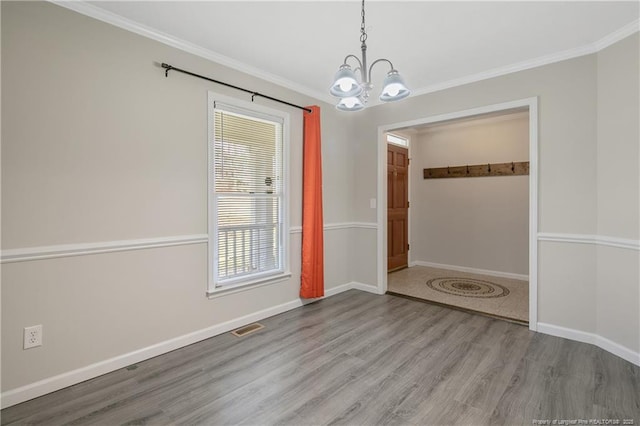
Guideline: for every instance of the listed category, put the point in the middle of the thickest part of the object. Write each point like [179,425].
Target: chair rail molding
[601,240]
[338,225]
[82,249]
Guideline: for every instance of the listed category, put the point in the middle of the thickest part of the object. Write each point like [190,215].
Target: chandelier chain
[363,32]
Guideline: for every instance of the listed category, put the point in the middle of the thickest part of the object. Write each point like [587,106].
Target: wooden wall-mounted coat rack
[477,170]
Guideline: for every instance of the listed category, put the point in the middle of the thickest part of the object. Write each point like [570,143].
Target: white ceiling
[433,44]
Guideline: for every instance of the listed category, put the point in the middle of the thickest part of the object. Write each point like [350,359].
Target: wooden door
[397,207]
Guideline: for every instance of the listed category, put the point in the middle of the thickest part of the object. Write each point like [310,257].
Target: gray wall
[618,270]
[567,171]
[480,223]
[572,277]
[99,146]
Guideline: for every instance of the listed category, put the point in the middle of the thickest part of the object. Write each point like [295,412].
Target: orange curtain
[312,274]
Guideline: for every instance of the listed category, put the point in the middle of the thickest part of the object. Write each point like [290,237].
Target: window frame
[261,278]
[406,139]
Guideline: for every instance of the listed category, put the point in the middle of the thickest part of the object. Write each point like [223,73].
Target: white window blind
[248,195]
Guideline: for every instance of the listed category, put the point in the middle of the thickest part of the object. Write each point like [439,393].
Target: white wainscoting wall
[51,384]
[579,335]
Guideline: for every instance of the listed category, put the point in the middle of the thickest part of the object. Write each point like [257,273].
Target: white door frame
[532,104]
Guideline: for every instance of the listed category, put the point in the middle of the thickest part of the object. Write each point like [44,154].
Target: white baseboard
[500,274]
[365,287]
[52,384]
[336,290]
[594,339]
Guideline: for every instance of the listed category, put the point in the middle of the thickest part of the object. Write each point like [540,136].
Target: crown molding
[509,69]
[95,12]
[587,49]
[617,35]
[100,14]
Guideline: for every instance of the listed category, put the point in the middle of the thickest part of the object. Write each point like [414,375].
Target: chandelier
[353,93]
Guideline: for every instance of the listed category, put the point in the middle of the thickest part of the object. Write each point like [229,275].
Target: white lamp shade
[345,83]
[394,87]
[352,103]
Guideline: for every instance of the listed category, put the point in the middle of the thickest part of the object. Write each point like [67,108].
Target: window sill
[249,285]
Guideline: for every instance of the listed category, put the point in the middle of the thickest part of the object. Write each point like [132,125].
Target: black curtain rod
[168,68]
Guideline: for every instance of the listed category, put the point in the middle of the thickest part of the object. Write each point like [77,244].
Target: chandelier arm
[361,66]
[354,57]
[380,60]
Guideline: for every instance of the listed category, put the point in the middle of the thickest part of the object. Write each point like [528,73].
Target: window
[247,188]
[397,140]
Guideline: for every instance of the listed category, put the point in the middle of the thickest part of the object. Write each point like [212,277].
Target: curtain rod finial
[167,68]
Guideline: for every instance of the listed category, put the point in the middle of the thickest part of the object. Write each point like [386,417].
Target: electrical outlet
[32,336]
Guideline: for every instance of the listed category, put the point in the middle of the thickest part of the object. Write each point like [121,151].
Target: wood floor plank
[539,391]
[616,385]
[486,384]
[376,405]
[356,359]
[65,403]
[258,397]
[439,375]
[132,400]
[451,412]
[523,398]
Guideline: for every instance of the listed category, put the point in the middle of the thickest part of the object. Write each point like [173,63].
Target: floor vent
[247,329]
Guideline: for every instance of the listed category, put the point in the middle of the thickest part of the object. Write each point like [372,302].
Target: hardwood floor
[357,358]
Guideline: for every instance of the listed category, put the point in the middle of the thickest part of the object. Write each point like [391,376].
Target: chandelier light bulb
[345,85]
[352,103]
[393,89]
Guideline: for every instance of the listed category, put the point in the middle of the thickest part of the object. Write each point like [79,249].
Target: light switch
[372,203]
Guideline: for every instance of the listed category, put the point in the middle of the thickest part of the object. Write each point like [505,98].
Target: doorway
[530,105]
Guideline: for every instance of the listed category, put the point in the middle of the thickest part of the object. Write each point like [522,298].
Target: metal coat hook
[478,170]
[253,95]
